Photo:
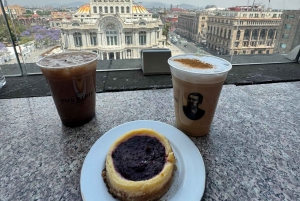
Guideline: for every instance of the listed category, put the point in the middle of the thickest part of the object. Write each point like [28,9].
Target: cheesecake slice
[139,166]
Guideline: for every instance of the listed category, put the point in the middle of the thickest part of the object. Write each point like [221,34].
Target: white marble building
[115,29]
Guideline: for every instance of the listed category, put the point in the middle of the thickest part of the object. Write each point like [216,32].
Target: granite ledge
[251,152]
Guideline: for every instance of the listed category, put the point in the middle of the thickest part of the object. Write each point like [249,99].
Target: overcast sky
[279,4]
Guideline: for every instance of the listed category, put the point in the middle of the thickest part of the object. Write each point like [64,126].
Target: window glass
[93,37]
[287,26]
[128,38]
[283,45]
[8,51]
[77,39]
[142,38]
[38,32]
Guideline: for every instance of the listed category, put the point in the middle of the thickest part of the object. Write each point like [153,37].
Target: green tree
[15,27]
[166,30]
[29,12]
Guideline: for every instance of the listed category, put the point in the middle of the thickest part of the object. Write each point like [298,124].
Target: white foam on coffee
[67,59]
[217,73]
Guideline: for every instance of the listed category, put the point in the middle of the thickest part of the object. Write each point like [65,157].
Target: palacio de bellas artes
[115,29]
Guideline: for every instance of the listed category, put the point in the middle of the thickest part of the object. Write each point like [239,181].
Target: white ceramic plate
[189,180]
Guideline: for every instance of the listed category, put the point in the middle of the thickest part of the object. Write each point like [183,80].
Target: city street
[188,47]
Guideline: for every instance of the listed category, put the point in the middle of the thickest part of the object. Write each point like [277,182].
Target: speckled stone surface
[251,153]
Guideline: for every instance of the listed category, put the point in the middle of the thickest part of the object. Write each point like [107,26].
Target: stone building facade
[289,31]
[115,29]
[243,32]
[193,26]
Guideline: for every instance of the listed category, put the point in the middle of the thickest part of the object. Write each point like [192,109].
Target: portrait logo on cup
[191,110]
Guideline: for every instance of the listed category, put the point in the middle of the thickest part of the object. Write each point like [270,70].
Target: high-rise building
[288,32]
[114,29]
[243,31]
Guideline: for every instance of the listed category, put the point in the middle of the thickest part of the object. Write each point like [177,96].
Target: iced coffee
[197,83]
[72,80]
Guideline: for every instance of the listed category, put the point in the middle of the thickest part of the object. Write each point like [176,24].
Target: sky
[275,4]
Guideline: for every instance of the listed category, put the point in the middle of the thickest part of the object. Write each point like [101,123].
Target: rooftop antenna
[269,5]
[253,5]
[248,5]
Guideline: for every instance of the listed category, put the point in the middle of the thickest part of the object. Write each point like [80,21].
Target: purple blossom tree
[3,49]
[25,33]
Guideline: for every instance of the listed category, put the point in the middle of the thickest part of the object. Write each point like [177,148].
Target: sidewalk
[174,49]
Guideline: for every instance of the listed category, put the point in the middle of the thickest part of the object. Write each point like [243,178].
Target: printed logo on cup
[191,109]
[80,87]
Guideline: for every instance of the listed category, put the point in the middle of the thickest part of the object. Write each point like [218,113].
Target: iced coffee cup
[197,83]
[72,80]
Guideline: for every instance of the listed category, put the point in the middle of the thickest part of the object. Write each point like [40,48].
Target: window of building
[93,37]
[238,34]
[256,15]
[203,18]
[235,52]
[202,25]
[286,36]
[111,38]
[245,44]
[229,34]
[128,38]
[254,34]
[268,52]
[122,9]
[252,52]
[274,15]
[271,34]
[225,33]
[262,34]
[290,16]
[100,9]
[282,45]
[287,26]
[157,35]
[117,9]
[106,9]
[111,9]
[236,44]
[142,37]
[127,9]
[259,52]
[247,34]
[95,9]
[77,39]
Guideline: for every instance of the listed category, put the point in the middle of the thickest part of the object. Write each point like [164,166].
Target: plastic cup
[197,83]
[72,80]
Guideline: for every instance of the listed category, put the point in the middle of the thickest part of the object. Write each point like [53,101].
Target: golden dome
[139,9]
[85,9]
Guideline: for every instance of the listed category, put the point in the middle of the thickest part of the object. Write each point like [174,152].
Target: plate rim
[187,139]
